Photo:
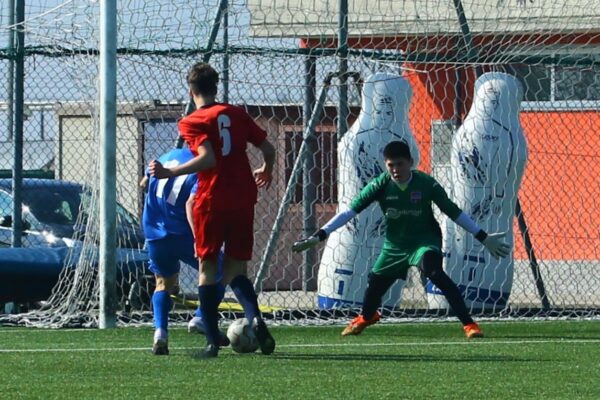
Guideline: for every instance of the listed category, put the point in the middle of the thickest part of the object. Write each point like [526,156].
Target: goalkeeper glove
[307,243]
[496,247]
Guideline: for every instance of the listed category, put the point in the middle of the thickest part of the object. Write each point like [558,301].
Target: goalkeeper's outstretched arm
[339,220]
[492,241]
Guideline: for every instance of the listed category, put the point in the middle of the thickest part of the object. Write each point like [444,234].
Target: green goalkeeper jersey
[408,214]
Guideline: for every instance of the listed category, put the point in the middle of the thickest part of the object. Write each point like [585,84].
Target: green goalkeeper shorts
[394,263]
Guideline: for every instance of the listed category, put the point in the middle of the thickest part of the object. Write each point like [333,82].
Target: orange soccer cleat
[472,331]
[358,324]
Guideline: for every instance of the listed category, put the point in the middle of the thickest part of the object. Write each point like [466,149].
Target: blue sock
[161,304]
[244,291]
[209,305]
[220,295]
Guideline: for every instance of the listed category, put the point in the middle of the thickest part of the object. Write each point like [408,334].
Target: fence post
[19,107]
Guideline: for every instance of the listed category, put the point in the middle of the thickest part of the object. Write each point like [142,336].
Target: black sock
[209,305]
[376,288]
[244,291]
[431,264]
[453,296]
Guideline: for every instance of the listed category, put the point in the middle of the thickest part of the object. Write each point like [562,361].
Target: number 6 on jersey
[224,124]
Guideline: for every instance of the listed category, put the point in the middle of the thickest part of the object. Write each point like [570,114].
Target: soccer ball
[242,337]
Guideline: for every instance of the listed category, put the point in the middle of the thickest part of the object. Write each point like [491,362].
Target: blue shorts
[166,255]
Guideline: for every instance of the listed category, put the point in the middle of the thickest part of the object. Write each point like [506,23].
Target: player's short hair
[396,149]
[203,79]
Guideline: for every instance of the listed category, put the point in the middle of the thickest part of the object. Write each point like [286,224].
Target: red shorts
[235,228]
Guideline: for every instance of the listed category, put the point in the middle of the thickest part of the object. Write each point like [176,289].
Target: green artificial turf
[516,360]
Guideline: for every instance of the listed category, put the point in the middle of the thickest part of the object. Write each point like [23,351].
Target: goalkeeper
[412,235]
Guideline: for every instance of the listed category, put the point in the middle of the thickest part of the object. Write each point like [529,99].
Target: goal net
[498,101]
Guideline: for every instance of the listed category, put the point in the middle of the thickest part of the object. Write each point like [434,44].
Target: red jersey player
[223,208]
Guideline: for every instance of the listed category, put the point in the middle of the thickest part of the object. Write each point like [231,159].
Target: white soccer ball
[242,337]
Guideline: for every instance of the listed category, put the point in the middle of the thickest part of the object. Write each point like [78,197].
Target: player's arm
[144,182]
[258,137]
[189,206]
[492,242]
[264,175]
[366,196]
[339,220]
[205,159]
[189,213]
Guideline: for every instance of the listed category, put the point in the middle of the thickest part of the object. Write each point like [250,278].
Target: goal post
[108,163]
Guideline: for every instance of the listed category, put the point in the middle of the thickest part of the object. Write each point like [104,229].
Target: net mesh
[270,54]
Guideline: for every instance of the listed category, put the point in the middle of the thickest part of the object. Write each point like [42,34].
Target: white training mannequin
[351,251]
[489,154]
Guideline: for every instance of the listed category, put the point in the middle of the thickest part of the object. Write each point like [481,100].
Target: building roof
[319,18]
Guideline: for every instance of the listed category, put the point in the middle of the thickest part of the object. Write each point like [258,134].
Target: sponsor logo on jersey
[393,213]
[415,197]
[391,198]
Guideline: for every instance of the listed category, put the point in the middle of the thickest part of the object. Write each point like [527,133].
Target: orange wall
[560,193]
[561,188]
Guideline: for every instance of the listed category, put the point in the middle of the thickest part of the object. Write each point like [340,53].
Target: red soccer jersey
[230,185]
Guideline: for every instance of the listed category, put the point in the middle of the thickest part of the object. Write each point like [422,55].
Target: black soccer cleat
[265,340]
[210,351]
[160,348]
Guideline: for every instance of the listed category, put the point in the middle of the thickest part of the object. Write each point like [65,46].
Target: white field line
[324,345]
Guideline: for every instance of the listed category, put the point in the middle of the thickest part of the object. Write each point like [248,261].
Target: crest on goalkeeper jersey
[489,154]
[352,250]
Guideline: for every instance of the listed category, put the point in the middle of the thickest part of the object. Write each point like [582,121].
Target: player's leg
[196,324]
[431,265]
[235,271]
[161,305]
[383,275]
[239,240]
[209,230]
[376,287]
[235,275]
[209,304]
[166,269]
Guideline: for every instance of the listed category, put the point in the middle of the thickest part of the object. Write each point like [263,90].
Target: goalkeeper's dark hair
[203,79]
[396,149]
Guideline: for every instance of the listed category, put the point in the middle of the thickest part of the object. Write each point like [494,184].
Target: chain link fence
[275,70]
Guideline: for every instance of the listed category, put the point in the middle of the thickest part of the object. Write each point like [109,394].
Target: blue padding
[343,271]
[430,289]
[489,297]
[478,259]
[327,303]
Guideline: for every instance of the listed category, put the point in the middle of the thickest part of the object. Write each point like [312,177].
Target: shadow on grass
[557,337]
[400,357]
[565,335]
[412,334]
[456,333]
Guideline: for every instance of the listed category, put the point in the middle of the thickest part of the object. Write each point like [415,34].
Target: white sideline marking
[316,345]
